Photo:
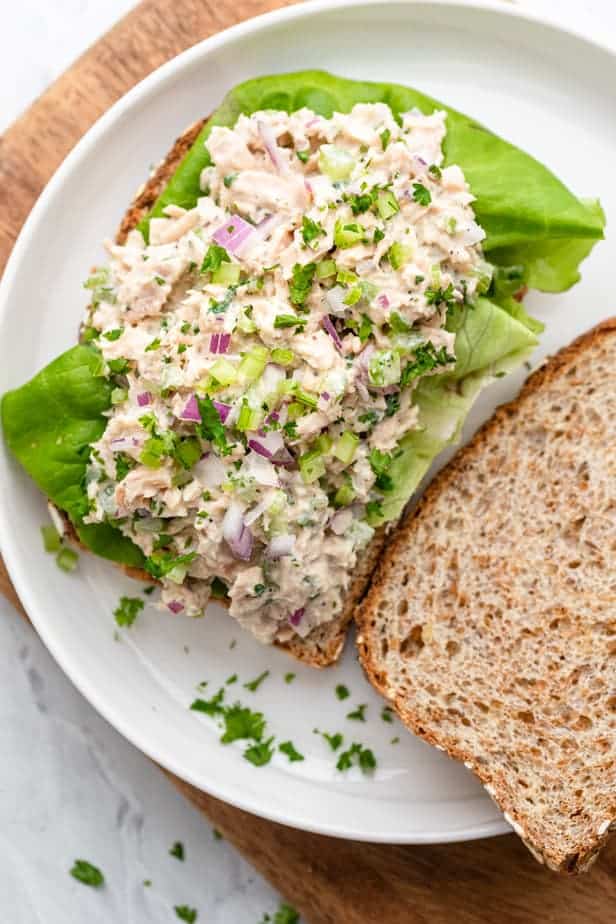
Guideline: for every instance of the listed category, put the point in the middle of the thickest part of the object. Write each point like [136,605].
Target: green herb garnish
[254,685]
[358,715]
[87,873]
[421,194]
[342,692]
[127,610]
[288,748]
[177,850]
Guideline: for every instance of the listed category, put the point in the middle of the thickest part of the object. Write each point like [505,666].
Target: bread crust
[323,646]
[368,618]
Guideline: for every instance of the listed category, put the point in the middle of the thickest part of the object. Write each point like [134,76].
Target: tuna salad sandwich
[278,347]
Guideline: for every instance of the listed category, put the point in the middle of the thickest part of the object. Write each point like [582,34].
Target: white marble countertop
[70,786]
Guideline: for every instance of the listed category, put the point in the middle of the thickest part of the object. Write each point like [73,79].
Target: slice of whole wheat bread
[324,644]
[490,624]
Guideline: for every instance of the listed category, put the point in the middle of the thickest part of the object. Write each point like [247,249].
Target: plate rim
[16,568]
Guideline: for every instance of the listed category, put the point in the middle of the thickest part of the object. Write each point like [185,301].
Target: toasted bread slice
[490,624]
[324,644]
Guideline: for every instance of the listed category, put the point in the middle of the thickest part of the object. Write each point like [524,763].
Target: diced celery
[295,410]
[384,368]
[484,273]
[348,235]
[346,446]
[152,452]
[323,443]
[253,363]
[227,274]
[325,269]
[387,204]
[177,574]
[305,397]
[224,372]
[346,277]
[344,496]
[118,395]
[282,357]
[311,466]
[51,538]
[249,418]
[335,162]
[353,296]
[245,322]
[399,254]
[67,559]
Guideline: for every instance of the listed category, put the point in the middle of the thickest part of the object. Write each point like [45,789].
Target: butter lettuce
[532,222]
[49,424]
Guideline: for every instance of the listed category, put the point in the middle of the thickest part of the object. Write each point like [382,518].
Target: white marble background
[69,785]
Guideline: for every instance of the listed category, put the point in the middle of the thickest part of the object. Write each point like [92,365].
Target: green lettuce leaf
[489,342]
[520,203]
[49,424]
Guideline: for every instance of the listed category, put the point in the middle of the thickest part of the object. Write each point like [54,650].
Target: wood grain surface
[328,880]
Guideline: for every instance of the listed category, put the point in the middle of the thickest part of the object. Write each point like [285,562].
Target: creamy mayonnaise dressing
[265,346]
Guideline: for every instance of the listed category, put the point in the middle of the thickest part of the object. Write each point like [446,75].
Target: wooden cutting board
[330,881]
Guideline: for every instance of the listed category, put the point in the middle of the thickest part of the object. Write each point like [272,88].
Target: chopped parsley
[361,202]
[289,678]
[356,755]
[342,692]
[311,230]
[385,136]
[242,723]
[438,296]
[427,357]
[358,714]
[421,194]
[177,850]
[160,281]
[118,366]
[88,874]
[393,404]
[260,754]
[114,334]
[123,465]
[211,428]
[230,179]
[153,345]
[216,834]
[286,915]
[379,463]
[387,714]
[254,685]
[288,748]
[159,564]
[301,283]
[230,680]
[303,155]
[378,235]
[334,740]
[127,610]
[259,589]
[374,509]
[184,913]
[435,171]
[365,328]
[214,258]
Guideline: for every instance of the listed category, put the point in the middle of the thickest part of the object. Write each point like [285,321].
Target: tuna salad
[265,346]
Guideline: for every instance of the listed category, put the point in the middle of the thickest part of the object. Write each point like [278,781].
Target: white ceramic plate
[544,89]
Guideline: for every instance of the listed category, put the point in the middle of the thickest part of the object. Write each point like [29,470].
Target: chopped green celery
[384,368]
[305,397]
[118,395]
[227,274]
[253,363]
[344,496]
[311,466]
[346,277]
[51,538]
[346,446]
[325,269]
[177,574]
[323,443]
[348,235]
[249,418]
[295,410]
[335,162]
[368,290]
[245,323]
[153,451]
[408,343]
[67,559]
[387,204]
[353,296]
[224,371]
[282,357]
[399,254]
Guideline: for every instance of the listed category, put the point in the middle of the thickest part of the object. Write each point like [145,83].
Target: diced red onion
[280,546]
[325,395]
[123,443]
[296,617]
[329,328]
[335,299]
[271,146]
[272,441]
[283,457]
[313,121]
[223,410]
[191,410]
[225,340]
[242,547]
[382,301]
[236,534]
[274,416]
[175,606]
[214,339]
[233,233]
[258,447]
[262,470]
[144,399]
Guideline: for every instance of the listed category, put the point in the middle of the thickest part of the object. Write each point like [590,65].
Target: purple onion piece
[223,345]
[191,410]
[296,617]
[329,328]
[214,340]
[382,301]
[175,606]
[223,410]
[259,448]
[242,546]
[144,399]
[233,233]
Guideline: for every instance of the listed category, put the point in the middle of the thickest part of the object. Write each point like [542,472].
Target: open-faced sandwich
[294,320]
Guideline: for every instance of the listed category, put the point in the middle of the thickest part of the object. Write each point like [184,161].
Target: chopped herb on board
[88,874]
